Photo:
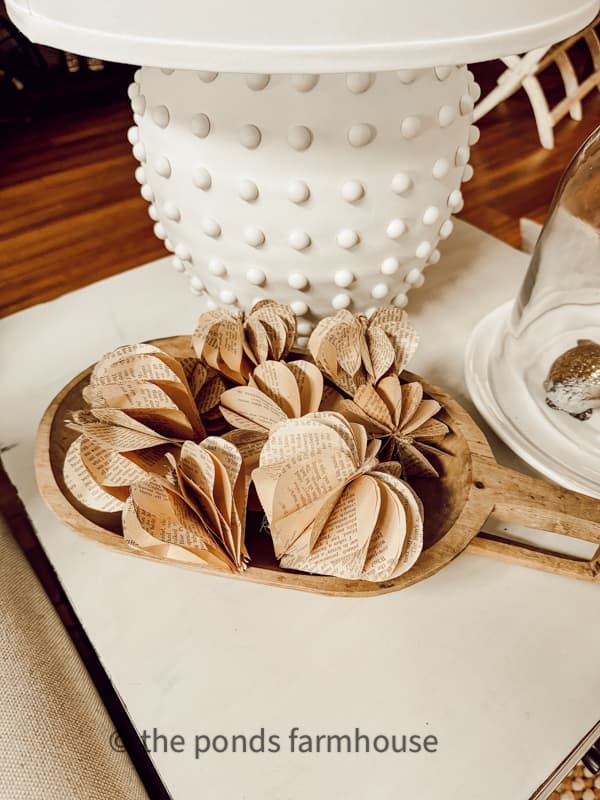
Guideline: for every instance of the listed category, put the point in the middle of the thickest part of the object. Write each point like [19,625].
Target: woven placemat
[580,784]
[56,737]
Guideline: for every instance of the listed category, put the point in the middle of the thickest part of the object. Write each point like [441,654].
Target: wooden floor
[72,212]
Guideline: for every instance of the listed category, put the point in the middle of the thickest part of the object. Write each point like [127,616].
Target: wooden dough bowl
[473,487]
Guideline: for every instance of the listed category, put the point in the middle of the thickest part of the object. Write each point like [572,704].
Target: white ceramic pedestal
[322,191]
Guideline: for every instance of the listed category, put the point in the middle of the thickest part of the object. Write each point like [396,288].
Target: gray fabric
[54,729]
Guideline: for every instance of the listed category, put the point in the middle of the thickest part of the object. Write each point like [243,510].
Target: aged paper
[332,509]
[352,350]
[275,392]
[399,416]
[81,484]
[233,344]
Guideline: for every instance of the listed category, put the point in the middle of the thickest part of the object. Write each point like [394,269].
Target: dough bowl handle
[539,505]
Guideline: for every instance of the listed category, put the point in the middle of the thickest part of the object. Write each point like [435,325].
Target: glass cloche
[541,390]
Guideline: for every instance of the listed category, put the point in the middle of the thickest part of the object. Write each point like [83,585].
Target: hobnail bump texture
[322,191]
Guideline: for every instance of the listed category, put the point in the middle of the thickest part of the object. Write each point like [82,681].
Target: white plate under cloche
[563,449]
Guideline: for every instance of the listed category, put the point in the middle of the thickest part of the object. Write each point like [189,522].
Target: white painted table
[499,662]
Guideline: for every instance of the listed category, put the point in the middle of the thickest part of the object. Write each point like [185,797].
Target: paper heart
[275,392]
[197,513]
[233,344]
[352,350]
[398,415]
[332,508]
[141,408]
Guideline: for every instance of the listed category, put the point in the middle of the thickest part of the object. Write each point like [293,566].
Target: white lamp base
[513,404]
[322,191]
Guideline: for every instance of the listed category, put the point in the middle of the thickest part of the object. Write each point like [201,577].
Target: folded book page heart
[276,391]
[352,350]
[398,415]
[198,512]
[332,508]
[141,408]
[233,344]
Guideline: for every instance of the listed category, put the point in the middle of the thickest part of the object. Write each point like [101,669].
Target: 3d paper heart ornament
[398,415]
[234,344]
[275,392]
[198,512]
[332,508]
[352,350]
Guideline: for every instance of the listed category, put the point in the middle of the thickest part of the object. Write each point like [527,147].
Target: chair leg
[508,84]
[571,84]
[541,111]
[593,43]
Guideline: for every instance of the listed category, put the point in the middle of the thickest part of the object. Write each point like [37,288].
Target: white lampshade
[308,36]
